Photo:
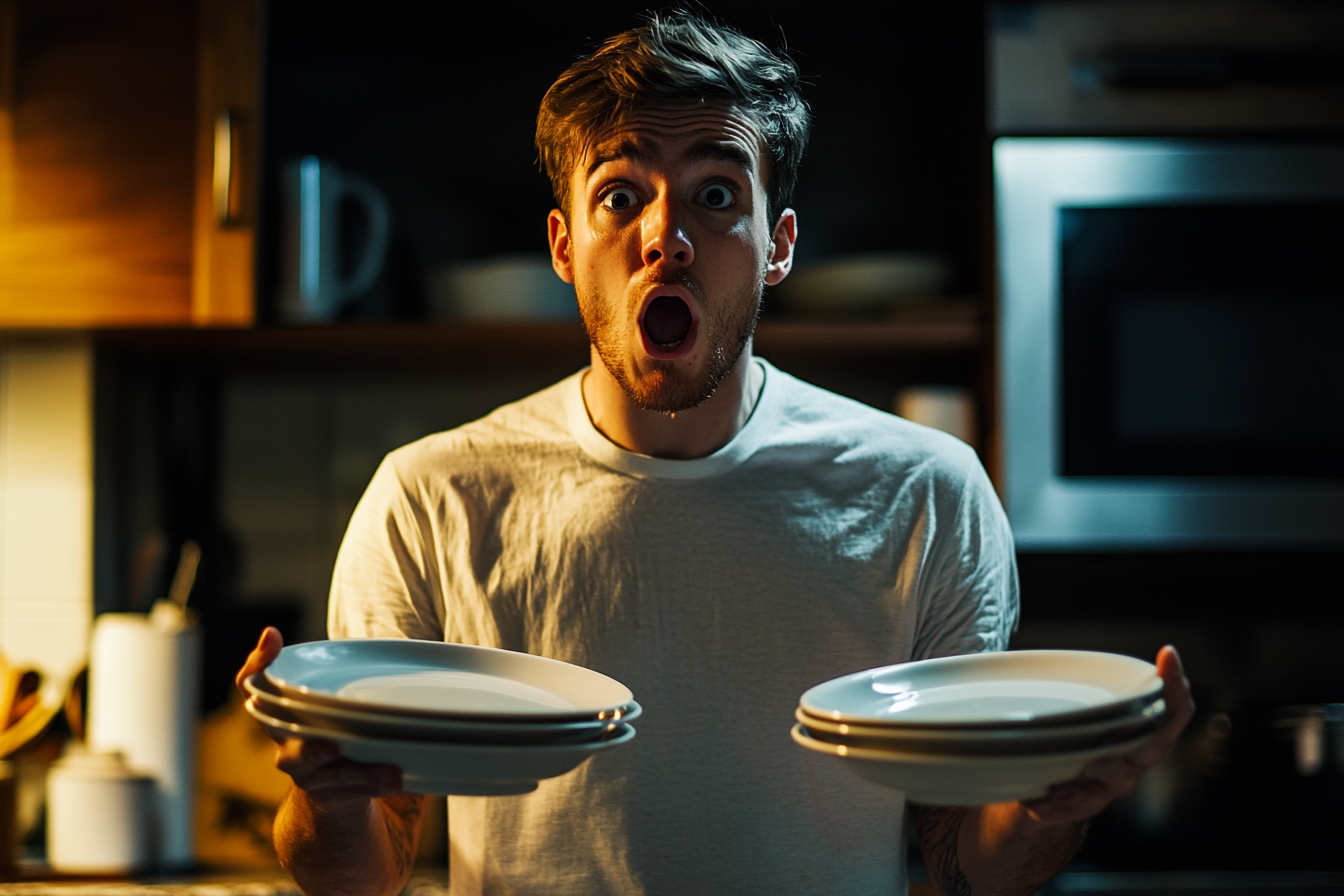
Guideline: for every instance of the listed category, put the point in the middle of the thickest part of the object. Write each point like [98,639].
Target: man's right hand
[316,766]
[345,827]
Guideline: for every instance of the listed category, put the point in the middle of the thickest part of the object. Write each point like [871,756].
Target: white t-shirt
[825,538]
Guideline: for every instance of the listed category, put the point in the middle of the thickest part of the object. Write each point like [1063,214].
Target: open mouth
[668,327]
[667,321]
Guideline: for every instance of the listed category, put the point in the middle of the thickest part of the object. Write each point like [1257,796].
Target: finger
[1106,778]
[300,755]
[267,649]
[317,764]
[1180,709]
[345,776]
[1151,754]
[1175,687]
[330,796]
[1116,774]
[256,660]
[1155,752]
[1070,801]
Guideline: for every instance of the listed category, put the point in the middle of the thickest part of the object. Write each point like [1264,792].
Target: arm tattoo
[401,815]
[939,827]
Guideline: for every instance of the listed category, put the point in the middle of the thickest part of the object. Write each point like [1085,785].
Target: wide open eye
[715,196]
[619,199]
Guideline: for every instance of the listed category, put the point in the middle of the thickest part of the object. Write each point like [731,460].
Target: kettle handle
[380,231]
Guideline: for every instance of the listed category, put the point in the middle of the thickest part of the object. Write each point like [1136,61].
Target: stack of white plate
[983,728]
[456,719]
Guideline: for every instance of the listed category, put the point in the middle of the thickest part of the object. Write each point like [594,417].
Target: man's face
[668,244]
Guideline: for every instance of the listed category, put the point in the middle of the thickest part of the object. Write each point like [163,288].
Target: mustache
[673,278]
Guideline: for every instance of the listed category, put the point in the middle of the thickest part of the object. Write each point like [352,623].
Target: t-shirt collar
[742,446]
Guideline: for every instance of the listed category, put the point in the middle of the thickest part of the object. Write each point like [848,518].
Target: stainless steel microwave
[1171,342]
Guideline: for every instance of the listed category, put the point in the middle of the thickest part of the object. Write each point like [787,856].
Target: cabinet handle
[225,191]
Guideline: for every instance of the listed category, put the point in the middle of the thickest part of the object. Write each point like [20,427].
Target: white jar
[99,816]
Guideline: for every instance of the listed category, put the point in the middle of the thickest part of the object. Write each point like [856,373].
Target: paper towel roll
[144,701]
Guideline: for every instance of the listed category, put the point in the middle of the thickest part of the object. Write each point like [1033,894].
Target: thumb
[1175,686]
[267,649]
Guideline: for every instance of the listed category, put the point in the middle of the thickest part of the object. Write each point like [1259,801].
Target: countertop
[433,882]
[1196,883]
[254,883]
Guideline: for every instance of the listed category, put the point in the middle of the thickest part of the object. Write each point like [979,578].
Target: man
[692,521]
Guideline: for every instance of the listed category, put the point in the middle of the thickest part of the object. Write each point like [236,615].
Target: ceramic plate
[990,690]
[401,727]
[436,680]
[941,780]
[987,741]
[443,768]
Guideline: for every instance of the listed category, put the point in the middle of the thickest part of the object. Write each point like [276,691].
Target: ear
[558,234]
[781,247]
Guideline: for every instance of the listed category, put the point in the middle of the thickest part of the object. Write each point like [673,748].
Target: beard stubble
[726,327]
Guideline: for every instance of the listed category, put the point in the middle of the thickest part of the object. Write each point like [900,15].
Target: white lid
[80,762]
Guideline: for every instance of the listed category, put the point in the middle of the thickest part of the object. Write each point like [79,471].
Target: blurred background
[247,248]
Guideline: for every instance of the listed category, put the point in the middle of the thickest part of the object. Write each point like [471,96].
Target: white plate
[964,780]
[443,768]
[437,680]
[988,741]
[990,690]
[400,727]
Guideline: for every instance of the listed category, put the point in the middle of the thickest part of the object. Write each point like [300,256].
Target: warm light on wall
[46,503]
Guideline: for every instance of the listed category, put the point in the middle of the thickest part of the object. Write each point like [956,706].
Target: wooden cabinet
[109,161]
[228,162]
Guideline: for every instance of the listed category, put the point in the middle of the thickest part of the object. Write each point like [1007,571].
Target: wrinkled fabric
[827,537]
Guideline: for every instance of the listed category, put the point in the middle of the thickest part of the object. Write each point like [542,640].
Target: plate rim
[841,751]
[578,714]
[1148,714]
[309,733]
[1125,706]
[434,724]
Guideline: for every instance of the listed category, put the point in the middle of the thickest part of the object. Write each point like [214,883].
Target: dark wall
[439,110]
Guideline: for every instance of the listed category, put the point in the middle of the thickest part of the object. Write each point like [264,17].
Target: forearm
[354,848]
[997,850]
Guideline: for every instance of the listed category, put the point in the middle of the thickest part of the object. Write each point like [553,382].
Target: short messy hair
[675,57]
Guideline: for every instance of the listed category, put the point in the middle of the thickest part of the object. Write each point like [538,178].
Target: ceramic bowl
[946,780]
[401,727]
[436,680]
[451,768]
[1017,688]
[988,741]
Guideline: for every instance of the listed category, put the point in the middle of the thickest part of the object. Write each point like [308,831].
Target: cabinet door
[96,146]
[227,162]
[108,212]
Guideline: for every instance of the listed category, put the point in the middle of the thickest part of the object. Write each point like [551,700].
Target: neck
[697,432]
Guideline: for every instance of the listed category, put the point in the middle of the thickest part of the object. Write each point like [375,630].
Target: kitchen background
[162,380]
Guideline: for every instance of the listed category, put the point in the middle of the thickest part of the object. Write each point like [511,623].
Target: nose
[665,239]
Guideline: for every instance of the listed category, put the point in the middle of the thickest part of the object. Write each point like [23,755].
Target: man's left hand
[1106,779]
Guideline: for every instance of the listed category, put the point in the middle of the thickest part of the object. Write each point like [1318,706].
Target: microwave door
[1171,342]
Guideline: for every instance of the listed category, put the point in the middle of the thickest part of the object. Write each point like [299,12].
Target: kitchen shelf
[944,330]
[950,326]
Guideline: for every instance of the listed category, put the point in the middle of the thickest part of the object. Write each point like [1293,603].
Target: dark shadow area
[439,112]
[1257,781]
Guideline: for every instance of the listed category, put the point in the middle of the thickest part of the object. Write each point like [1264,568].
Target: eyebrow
[720,152]
[626,149]
[636,151]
